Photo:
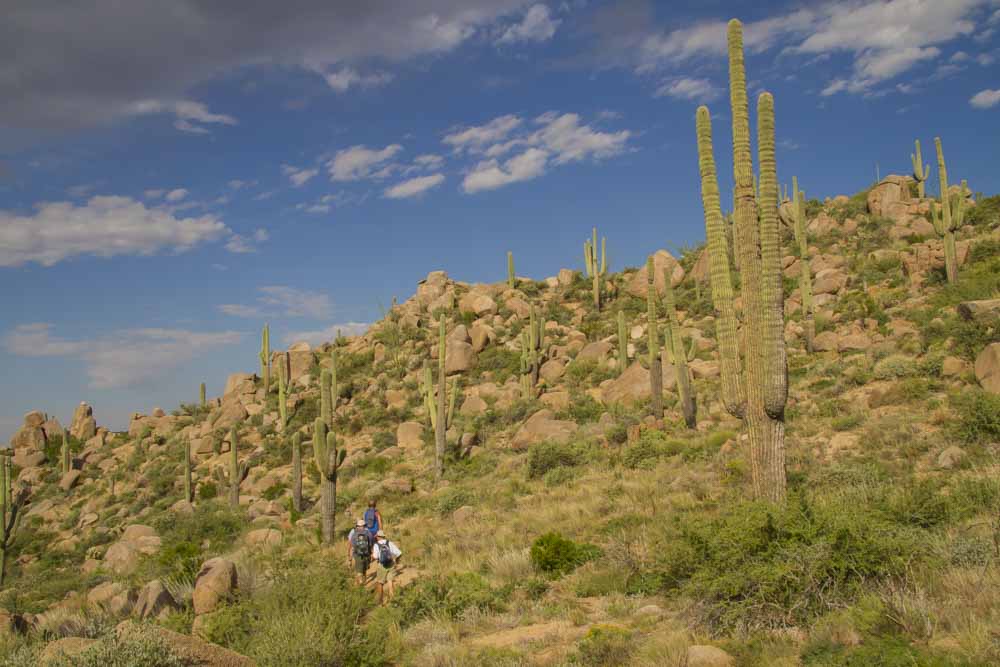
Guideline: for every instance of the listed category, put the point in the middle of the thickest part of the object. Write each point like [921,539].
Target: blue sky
[173,175]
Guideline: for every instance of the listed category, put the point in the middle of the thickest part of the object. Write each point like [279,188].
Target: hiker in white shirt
[386,555]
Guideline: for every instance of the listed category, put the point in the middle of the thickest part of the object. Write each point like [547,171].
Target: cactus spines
[188,497]
[265,357]
[328,461]
[511,279]
[952,214]
[237,470]
[297,472]
[675,343]
[920,170]
[11,504]
[655,362]
[201,395]
[441,422]
[596,268]
[622,343]
[754,379]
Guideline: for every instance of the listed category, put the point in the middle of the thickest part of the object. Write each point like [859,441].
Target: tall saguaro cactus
[328,461]
[511,278]
[622,343]
[65,457]
[652,331]
[531,353]
[237,470]
[675,343]
[595,268]
[265,358]
[326,397]
[11,504]
[805,273]
[297,472]
[754,379]
[951,216]
[283,377]
[201,395]
[441,425]
[188,496]
[920,170]
[430,402]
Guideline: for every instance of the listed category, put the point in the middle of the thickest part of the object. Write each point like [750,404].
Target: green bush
[895,366]
[977,416]
[605,646]
[449,595]
[207,491]
[985,212]
[650,448]
[138,648]
[383,440]
[546,455]
[555,555]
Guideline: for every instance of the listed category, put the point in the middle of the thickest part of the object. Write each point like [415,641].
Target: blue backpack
[371,520]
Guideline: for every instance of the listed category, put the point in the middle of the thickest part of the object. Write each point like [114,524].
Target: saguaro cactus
[325,397]
[951,216]
[328,461]
[754,380]
[283,373]
[188,496]
[441,424]
[265,358]
[430,402]
[653,334]
[201,396]
[65,457]
[237,470]
[297,472]
[805,273]
[511,278]
[11,504]
[595,269]
[675,343]
[531,353]
[920,170]
[622,343]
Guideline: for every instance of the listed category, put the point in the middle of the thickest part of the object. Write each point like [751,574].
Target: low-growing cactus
[328,461]
[595,269]
[653,335]
[511,279]
[920,170]
[622,343]
[675,343]
[805,272]
[265,358]
[297,472]
[951,216]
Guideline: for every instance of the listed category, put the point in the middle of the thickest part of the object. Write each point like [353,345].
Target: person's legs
[383,580]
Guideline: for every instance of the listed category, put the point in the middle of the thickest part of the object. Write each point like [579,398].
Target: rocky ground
[893,423]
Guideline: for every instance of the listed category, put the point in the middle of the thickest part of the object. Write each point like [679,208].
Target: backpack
[385,558]
[362,544]
[371,520]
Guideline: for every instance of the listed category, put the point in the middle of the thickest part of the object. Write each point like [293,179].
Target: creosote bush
[554,555]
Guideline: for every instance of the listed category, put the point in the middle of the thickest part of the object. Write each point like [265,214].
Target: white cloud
[414,186]
[283,301]
[241,244]
[104,227]
[325,335]
[569,141]
[985,99]
[313,208]
[985,59]
[125,358]
[187,113]
[153,194]
[357,162]
[346,77]
[696,90]
[428,161]
[176,195]
[297,176]
[536,26]
[490,175]
[475,137]
[237,184]
[959,56]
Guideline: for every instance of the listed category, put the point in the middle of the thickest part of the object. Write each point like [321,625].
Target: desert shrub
[555,555]
[985,212]
[977,416]
[383,440]
[847,422]
[137,648]
[650,448]
[451,498]
[584,373]
[499,361]
[605,645]
[547,455]
[559,476]
[583,408]
[895,366]
[207,491]
[859,306]
[450,596]
[188,539]
[756,566]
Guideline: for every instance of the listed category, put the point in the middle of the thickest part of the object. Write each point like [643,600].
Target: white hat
[360,523]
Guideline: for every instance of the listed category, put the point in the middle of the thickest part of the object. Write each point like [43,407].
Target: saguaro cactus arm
[920,170]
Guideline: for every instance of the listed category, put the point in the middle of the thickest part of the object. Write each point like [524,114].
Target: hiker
[373,519]
[386,556]
[359,548]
